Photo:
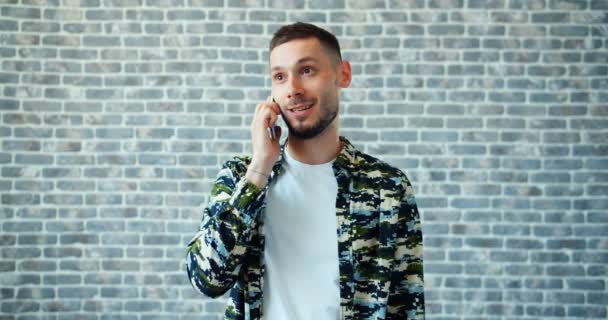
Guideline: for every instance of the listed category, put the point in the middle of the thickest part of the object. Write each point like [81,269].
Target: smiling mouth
[301,108]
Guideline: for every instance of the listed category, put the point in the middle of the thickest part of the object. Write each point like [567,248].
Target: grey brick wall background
[115,116]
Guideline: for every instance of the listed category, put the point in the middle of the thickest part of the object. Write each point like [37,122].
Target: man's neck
[318,150]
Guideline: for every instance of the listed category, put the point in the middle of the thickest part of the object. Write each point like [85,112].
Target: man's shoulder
[371,166]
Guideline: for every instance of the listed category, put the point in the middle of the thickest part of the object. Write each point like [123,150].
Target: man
[313,228]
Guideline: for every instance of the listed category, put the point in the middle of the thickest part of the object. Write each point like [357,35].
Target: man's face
[306,85]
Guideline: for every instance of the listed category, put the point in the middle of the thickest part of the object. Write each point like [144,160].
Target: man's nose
[295,87]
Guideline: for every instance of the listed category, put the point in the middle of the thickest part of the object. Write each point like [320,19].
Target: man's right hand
[265,150]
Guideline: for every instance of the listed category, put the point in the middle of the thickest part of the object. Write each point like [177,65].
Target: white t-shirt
[301,281]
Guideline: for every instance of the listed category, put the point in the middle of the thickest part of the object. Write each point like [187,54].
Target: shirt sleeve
[215,254]
[406,296]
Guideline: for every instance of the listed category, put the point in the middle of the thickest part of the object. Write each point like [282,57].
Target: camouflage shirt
[379,240]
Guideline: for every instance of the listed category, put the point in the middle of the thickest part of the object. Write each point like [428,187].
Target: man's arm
[406,296]
[215,254]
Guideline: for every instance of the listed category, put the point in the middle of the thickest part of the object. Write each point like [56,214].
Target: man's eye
[307,70]
[278,77]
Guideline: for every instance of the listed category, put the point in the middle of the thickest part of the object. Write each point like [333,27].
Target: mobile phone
[272,131]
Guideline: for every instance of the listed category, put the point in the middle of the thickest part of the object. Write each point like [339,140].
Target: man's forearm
[215,254]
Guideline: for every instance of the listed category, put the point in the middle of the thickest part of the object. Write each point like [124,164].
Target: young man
[313,228]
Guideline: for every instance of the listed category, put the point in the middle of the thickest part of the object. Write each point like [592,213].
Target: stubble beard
[327,117]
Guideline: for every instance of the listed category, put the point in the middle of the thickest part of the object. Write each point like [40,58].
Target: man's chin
[300,130]
[305,133]
[301,133]
[304,130]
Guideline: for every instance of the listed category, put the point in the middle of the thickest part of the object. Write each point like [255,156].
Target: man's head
[301,30]
[307,73]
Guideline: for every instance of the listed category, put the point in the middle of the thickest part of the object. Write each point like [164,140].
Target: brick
[598,258]
[591,312]
[467,150]
[457,123]
[598,5]
[421,43]
[598,298]
[466,96]
[549,257]
[480,163]
[548,311]
[35,293]
[9,78]
[481,4]
[509,284]
[590,204]
[443,268]
[569,31]
[526,297]
[511,136]
[568,5]
[21,253]
[509,256]
[550,17]
[75,292]
[7,52]
[8,25]
[526,4]
[548,204]
[483,242]
[117,292]
[462,283]
[580,284]
[16,12]
[524,244]
[588,124]
[578,97]
[590,150]
[24,118]
[517,204]
[124,265]
[461,43]
[107,279]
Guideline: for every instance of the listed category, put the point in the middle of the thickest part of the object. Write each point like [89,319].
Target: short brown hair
[301,30]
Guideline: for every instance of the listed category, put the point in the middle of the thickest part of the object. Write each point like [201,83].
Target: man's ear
[344,74]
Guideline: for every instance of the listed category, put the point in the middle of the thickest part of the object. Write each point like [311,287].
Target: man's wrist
[258,172]
[257,177]
[267,175]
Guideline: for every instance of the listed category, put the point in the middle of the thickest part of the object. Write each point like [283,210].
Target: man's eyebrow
[300,61]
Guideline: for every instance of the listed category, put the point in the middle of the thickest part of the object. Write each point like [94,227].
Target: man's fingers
[271,119]
[275,105]
[265,114]
[267,111]
[275,108]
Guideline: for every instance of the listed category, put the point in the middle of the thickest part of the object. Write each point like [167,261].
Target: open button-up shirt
[379,240]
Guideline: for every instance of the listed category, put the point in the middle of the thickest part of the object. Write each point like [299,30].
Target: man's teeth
[301,109]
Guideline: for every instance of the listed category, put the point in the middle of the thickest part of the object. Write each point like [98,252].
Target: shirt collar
[345,162]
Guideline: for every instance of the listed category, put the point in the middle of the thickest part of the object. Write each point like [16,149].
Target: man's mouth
[300,107]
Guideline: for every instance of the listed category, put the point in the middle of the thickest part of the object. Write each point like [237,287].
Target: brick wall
[115,116]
